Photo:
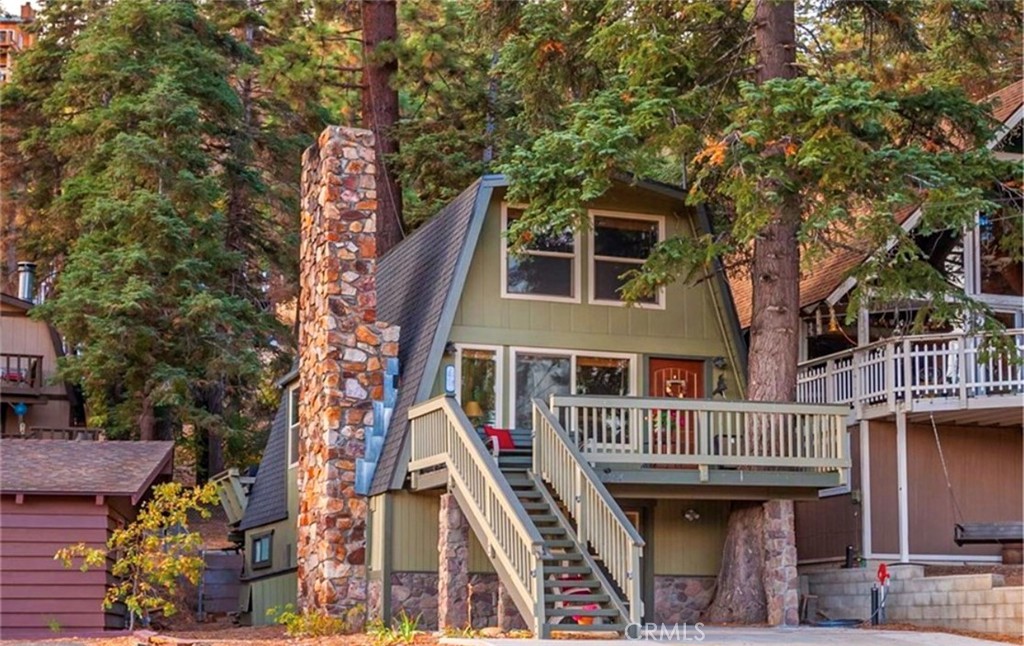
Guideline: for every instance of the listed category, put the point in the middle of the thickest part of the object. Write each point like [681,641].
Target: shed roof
[82,468]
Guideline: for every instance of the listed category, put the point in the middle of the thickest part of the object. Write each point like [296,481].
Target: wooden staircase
[529,525]
[577,595]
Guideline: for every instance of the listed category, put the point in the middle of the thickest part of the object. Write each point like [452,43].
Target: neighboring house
[921,405]
[55,493]
[262,514]
[31,401]
[15,38]
[650,395]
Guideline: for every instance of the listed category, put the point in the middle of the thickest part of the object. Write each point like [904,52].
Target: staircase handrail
[599,519]
[442,433]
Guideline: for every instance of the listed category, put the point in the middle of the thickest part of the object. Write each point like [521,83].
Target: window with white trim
[479,379]
[542,373]
[293,426]
[621,243]
[262,546]
[546,267]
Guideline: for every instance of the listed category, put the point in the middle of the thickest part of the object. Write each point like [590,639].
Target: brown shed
[55,493]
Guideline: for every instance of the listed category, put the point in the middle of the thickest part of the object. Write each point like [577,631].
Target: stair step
[532,493]
[578,598]
[555,530]
[559,543]
[570,583]
[564,556]
[588,628]
[541,506]
[567,569]
[581,612]
[543,518]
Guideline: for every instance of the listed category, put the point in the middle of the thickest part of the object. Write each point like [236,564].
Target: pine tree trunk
[380,114]
[760,551]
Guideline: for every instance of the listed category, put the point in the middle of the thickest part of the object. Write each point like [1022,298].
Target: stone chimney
[27,12]
[342,352]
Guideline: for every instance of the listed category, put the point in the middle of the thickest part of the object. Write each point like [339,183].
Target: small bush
[307,623]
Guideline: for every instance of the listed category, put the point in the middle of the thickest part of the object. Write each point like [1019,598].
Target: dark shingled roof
[414,281]
[268,500]
[81,467]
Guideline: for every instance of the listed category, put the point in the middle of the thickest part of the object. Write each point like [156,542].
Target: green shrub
[308,623]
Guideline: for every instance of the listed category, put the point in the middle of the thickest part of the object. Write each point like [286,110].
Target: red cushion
[503,435]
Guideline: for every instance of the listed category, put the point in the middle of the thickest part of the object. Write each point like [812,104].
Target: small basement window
[262,546]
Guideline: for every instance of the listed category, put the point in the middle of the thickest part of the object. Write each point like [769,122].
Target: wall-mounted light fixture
[691,515]
[719,362]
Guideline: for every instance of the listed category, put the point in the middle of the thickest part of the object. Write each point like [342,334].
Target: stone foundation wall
[483,600]
[342,349]
[781,578]
[681,599]
[416,594]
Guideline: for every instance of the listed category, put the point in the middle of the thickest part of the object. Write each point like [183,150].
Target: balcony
[637,441]
[923,374]
[21,374]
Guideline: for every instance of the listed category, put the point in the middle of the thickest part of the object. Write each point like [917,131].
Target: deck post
[901,480]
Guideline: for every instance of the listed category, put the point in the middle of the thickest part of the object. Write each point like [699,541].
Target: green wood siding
[691,325]
[283,555]
[414,547]
[682,547]
[274,592]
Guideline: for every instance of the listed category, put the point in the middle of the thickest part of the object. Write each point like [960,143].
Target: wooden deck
[925,374]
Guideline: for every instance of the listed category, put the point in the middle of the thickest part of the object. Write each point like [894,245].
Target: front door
[677,378]
[674,431]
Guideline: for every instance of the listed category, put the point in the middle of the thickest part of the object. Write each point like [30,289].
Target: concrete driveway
[802,636]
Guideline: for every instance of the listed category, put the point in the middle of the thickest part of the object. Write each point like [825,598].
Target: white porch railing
[599,519]
[706,433]
[441,434]
[917,370]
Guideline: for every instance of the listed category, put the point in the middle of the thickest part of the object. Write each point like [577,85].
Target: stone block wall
[342,349]
[681,599]
[976,602]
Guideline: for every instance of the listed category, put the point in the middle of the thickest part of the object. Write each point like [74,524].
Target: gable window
[542,373]
[620,244]
[293,426]
[262,546]
[547,268]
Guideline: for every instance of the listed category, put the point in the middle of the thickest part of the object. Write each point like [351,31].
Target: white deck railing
[442,435]
[599,519]
[918,370]
[706,433]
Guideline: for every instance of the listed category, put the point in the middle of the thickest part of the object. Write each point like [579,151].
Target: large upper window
[999,255]
[542,373]
[546,267]
[620,244]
